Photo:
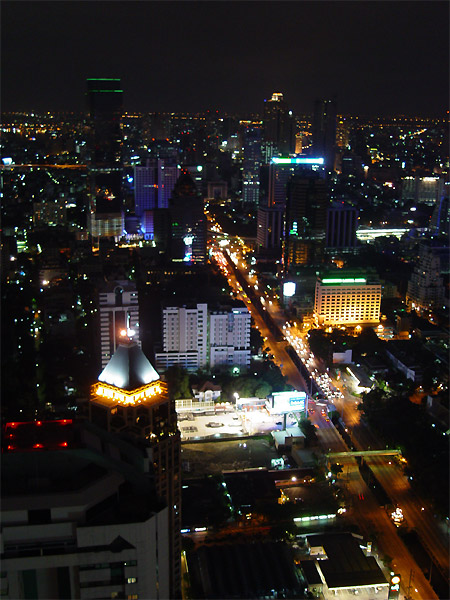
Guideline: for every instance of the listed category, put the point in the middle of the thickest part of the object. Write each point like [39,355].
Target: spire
[129,368]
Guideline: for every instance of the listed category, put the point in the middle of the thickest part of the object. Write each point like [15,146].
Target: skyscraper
[305,222]
[129,397]
[342,221]
[104,98]
[252,164]
[324,131]
[188,222]
[279,126]
[154,184]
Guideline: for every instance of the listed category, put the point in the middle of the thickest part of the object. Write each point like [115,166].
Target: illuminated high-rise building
[279,125]
[347,299]
[276,175]
[154,184]
[129,397]
[197,338]
[324,131]
[104,97]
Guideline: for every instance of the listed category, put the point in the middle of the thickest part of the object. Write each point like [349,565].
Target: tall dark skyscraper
[279,126]
[188,222]
[324,131]
[252,164]
[104,99]
[342,221]
[305,222]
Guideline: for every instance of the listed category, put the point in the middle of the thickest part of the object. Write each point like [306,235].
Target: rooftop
[346,565]
[129,369]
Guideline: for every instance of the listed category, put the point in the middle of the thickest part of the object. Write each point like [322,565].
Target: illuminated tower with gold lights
[129,397]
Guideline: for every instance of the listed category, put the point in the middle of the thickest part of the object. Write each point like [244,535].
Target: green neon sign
[345,280]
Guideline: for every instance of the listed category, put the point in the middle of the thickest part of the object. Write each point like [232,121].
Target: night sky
[379,58]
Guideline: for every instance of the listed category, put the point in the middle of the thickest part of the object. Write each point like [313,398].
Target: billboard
[288,289]
[286,402]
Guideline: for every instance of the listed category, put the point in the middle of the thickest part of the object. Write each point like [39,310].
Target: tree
[178,381]
[309,431]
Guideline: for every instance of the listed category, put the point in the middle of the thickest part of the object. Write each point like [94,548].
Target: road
[369,516]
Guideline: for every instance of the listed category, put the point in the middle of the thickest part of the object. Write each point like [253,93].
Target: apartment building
[195,337]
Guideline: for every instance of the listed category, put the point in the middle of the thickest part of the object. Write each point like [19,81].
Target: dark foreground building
[80,515]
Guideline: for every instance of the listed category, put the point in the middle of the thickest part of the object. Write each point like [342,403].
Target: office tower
[305,221]
[426,287]
[154,184]
[342,222]
[269,229]
[251,164]
[119,316]
[279,126]
[346,299]
[195,337]
[130,398]
[188,222]
[324,131]
[104,97]
[83,520]
[276,175]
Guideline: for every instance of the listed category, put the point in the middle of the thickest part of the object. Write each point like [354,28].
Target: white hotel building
[346,301]
[194,337]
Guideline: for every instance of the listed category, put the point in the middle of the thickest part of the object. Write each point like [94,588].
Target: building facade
[346,300]
[188,231]
[195,337]
[324,131]
[279,125]
[342,222]
[119,317]
[154,184]
[426,289]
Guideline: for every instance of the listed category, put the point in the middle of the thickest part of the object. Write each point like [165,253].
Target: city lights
[125,397]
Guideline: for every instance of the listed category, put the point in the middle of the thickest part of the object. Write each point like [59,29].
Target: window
[131,580]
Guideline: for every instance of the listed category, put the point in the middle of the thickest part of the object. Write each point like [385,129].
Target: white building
[426,288]
[347,301]
[119,316]
[195,338]
[229,337]
[84,521]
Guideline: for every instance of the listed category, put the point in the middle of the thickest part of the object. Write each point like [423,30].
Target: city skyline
[375,57]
